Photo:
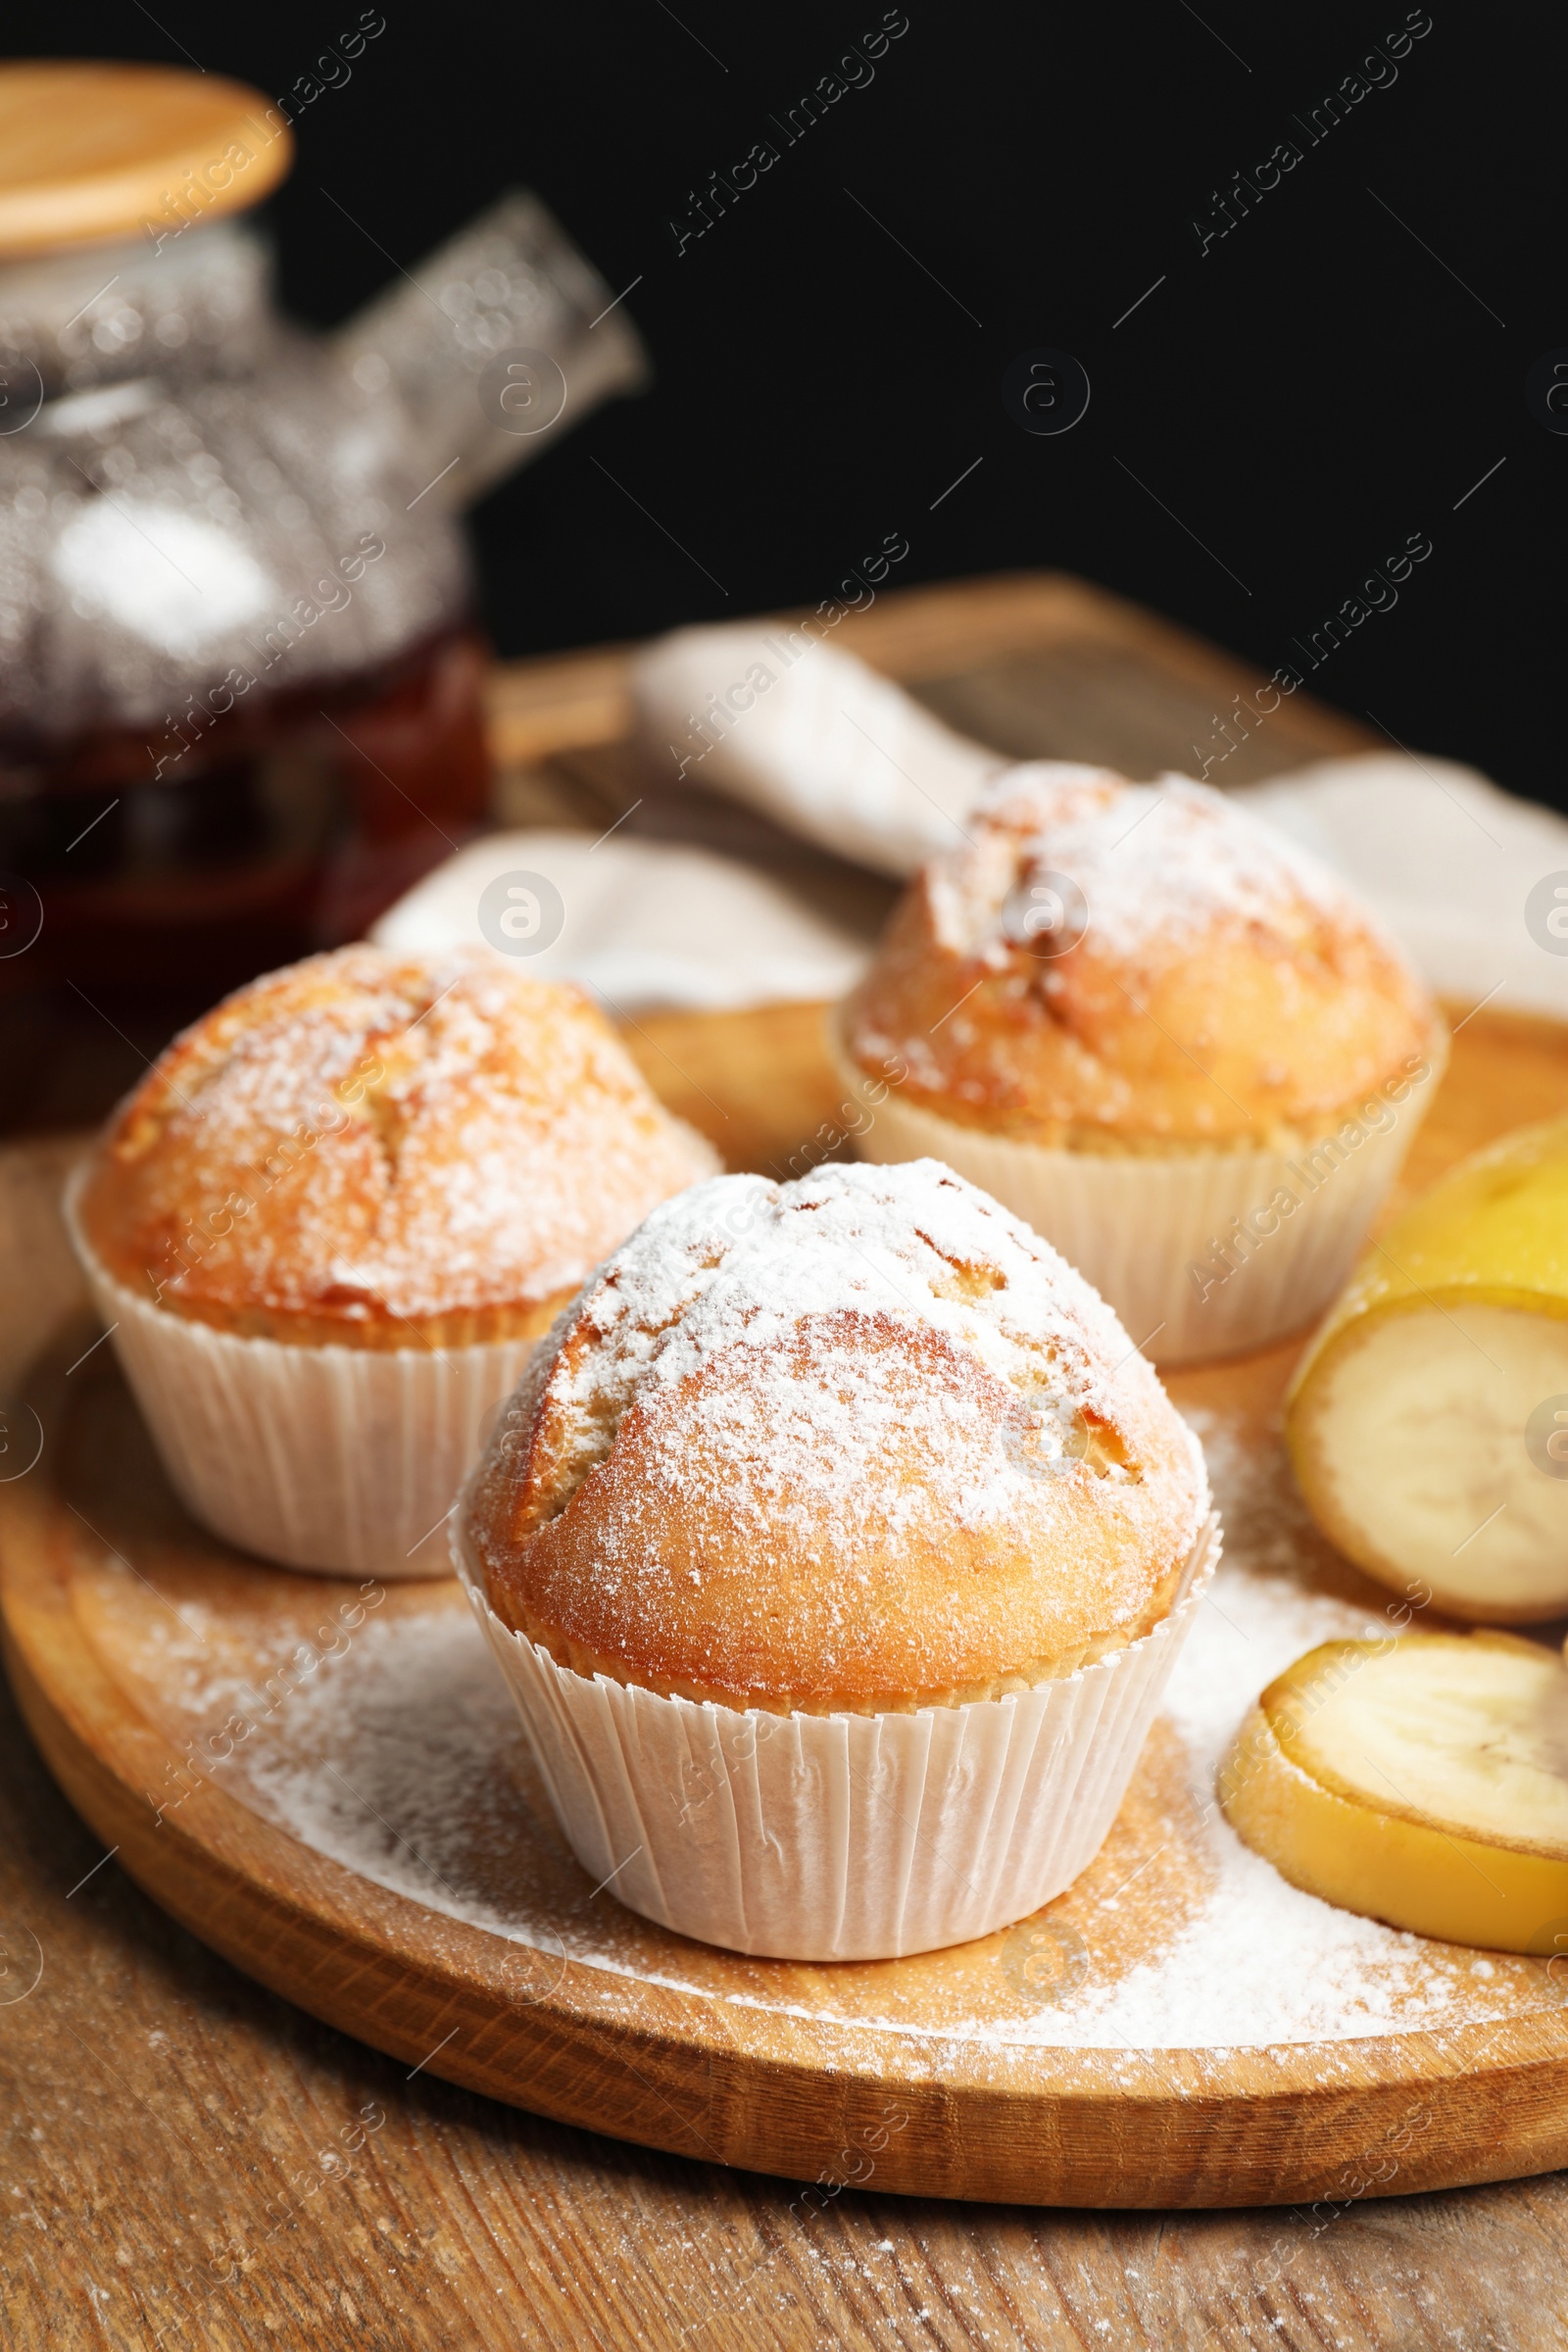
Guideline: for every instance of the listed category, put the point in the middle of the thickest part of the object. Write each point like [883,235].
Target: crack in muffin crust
[384,1151]
[1223,990]
[862,1442]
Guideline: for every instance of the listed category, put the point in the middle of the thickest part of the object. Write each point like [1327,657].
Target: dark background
[1303,397]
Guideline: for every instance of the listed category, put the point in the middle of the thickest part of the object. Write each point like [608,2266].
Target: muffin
[330,1224]
[837,1545]
[1161,1033]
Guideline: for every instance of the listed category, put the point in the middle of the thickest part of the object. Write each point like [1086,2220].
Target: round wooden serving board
[331,1789]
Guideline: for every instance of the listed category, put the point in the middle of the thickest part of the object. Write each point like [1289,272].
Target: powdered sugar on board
[405,1763]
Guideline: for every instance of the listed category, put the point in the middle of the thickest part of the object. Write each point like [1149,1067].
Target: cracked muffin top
[385,1151]
[1115,967]
[860,1443]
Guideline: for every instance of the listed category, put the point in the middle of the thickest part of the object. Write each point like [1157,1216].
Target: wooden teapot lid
[93,151]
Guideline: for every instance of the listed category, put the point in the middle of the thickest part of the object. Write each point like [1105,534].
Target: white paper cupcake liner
[839,1837]
[341,1460]
[1194,1251]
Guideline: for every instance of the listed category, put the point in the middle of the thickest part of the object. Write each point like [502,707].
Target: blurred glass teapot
[240,677]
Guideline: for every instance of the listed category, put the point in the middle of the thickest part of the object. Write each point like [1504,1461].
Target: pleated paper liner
[1201,1254]
[839,1837]
[342,1460]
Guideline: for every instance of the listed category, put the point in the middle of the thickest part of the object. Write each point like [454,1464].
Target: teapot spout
[494,346]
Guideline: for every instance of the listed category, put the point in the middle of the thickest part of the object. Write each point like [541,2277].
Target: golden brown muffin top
[1205,983]
[858,1442]
[376,1149]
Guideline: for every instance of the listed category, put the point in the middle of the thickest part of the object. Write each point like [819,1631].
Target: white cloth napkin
[1446,858]
[846,759]
[643,923]
[812,738]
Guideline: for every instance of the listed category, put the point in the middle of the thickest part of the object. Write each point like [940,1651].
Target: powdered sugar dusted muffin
[365,1154]
[853,1460]
[384,1151]
[1157,1028]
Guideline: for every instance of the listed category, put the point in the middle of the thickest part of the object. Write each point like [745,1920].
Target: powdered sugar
[740,1261]
[407,1765]
[364,1135]
[1157,864]
[860,1435]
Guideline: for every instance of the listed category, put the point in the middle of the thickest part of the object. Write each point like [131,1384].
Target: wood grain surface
[132,1637]
[190,2160]
[180,2163]
[1038,662]
[90,151]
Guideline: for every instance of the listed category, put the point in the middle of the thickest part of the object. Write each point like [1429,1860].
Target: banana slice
[1422,1780]
[1428,1423]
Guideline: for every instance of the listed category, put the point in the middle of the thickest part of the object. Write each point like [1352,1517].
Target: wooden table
[190,2161]
[174,2138]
